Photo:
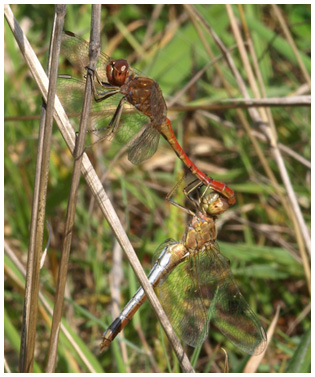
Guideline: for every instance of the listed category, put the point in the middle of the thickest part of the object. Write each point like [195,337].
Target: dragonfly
[133,100]
[195,283]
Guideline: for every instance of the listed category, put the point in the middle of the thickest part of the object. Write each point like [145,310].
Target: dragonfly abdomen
[166,262]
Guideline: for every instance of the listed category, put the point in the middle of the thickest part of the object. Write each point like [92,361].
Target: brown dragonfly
[131,101]
[196,285]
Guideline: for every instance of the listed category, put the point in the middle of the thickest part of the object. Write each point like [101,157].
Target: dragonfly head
[214,204]
[117,72]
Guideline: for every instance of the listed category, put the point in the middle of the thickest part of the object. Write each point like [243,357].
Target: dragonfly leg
[180,207]
[208,186]
[114,123]
[101,96]
[194,185]
[188,190]
[170,194]
[95,75]
[98,79]
[191,187]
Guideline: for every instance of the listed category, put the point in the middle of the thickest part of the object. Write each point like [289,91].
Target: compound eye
[117,72]
[215,204]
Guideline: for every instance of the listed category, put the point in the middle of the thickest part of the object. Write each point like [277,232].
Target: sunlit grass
[265,261]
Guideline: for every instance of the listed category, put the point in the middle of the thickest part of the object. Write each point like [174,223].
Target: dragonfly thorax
[201,233]
[146,95]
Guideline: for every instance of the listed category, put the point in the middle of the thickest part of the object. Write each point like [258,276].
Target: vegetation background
[256,234]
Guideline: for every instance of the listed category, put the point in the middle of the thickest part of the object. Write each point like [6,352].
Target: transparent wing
[126,125]
[227,308]
[157,104]
[76,51]
[71,94]
[180,297]
[162,249]
[145,146]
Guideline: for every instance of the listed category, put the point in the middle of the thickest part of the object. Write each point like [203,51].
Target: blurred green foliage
[265,270]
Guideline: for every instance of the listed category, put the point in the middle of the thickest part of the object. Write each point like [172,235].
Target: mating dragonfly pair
[195,281]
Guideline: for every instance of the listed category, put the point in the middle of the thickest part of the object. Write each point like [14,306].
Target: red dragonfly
[125,92]
[196,285]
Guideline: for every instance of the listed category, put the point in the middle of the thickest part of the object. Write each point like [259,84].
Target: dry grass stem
[290,40]
[254,362]
[48,309]
[40,192]
[273,140]
[72,202]
[102,199]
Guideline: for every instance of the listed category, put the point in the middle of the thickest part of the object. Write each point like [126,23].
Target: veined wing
[157,104]
[131,122]
[180,297]
[145,145]
[227,308]
[76,51]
